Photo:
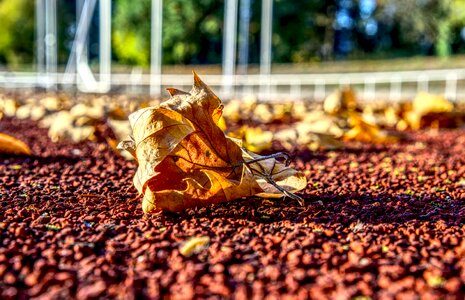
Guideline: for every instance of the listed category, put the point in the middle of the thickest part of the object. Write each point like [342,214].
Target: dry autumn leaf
[340,101]
[253,138]
[11,145]
[304,135]
[425,104]
[194,245]
[185,159]
[363,131]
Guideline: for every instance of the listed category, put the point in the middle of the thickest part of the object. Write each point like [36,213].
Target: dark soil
[379,222]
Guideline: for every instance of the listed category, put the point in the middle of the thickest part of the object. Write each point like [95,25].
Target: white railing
[265,85]
[372,85]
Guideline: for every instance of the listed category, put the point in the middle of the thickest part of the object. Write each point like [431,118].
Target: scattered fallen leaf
[321,122]
[11,145]
[62,126]
[340,101]
[253,138]
[237,109]
[94,111]
[185,159]
[52,103]
[263,113]
[362,131]
[194,245]
[304,134]
[425,104]
[8,106]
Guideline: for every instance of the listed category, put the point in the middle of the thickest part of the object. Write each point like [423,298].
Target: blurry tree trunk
[443,40]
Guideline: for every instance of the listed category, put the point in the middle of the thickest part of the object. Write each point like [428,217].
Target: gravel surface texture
[379,222]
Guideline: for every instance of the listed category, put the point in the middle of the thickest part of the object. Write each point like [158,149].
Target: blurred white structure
[77,70]
[266,85]
[229,45]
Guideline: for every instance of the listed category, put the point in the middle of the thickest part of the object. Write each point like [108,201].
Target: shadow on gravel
[329,209]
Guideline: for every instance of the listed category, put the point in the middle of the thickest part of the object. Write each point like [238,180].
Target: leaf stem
[268,176]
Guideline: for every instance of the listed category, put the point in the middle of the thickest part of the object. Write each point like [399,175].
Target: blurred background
[274,49]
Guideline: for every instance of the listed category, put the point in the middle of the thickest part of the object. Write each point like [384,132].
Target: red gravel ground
[379,222]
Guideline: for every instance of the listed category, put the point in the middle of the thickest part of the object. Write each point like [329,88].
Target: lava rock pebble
[379,222]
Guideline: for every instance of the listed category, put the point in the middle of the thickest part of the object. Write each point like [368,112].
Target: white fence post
[229,45]
[319,90]
[451,87]
[40,32]
[156,47]
[51,49]
[265,47]
[423,83]
[395,88]
[369,91]
[105,44]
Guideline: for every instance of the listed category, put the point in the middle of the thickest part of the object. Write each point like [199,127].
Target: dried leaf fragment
[426,104]
[185,159]
[194,245]
[363,131]
[11,145]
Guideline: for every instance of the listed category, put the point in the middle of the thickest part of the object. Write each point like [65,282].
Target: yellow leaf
[253,138]
[340,101]
[263,113]
[425,104]
[320,122]
[194,245]
[185,159]
[11,145]
[363,131]
[304,134]
[236,109]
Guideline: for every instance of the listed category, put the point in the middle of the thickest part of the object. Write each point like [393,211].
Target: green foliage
[131,32]
[17,31]
[191,31]
[429,21]
[303,31]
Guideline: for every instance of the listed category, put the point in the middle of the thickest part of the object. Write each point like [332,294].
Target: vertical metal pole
[265,38]
[229,45]
[40,35]
[105,44]
[244,25]
[51,42]
[75,63]
[265,44]
[79,12]
[156,47]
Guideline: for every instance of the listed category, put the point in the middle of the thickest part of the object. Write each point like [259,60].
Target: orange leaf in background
[11,145]
[340,101]
[425,104]
[254,139]
[185,159]
[362,131]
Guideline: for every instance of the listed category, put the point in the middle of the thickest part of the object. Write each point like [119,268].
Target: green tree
[303,30]
[429,21]
[192,31]
[17,31]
